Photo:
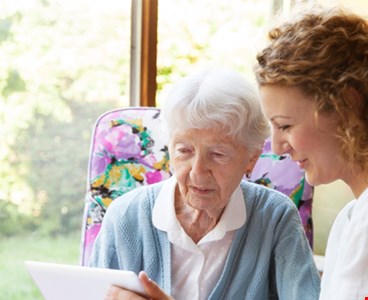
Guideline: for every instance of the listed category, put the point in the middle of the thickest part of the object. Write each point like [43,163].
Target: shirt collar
[358,204]
[233,217]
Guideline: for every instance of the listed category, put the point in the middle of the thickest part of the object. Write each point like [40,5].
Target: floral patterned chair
[127,151]
[285,175]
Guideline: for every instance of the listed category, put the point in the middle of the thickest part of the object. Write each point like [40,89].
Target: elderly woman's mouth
[201,189]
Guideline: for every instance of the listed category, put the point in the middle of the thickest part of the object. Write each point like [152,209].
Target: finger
[118,293]
[152,289]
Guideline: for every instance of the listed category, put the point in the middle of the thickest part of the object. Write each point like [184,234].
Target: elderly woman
[204,233]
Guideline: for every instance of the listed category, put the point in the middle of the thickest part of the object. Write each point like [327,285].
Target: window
[65,62]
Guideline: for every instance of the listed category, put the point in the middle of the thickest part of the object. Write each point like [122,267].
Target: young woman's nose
[279,146]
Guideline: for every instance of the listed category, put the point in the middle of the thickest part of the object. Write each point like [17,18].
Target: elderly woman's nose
[199,164]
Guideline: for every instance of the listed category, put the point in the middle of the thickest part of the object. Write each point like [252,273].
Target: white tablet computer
[72,282]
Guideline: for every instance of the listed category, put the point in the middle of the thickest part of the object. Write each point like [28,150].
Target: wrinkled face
[295,130]
[208,166]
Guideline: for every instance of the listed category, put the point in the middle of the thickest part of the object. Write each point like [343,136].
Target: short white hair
[219,98]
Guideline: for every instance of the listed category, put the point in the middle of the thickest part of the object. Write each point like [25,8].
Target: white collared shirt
[345,274]
[197,267]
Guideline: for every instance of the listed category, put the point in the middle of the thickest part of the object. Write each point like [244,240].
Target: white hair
[219,98]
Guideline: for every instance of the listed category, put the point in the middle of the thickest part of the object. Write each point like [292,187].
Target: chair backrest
[285,175]
[127,151]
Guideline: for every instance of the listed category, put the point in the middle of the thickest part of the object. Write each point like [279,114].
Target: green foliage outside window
[62,64]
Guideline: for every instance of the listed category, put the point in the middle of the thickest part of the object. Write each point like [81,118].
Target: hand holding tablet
[60,281]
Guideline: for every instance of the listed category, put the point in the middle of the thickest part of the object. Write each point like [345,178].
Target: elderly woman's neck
[196,223]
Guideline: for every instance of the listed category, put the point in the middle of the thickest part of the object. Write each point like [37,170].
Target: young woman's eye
[284,127]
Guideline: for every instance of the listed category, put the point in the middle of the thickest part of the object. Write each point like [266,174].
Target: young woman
[313,80]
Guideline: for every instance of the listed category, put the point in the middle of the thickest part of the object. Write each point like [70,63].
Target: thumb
[153,291]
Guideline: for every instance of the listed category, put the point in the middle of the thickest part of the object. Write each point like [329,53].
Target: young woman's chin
[316,179]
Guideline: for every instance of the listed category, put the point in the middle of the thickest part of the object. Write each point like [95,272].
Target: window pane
[62,64]
[193,33]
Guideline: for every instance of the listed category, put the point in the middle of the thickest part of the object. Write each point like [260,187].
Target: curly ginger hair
[324,53]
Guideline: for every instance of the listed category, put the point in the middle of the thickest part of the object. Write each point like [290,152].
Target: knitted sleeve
[128,240]
[113,232]
[296,276]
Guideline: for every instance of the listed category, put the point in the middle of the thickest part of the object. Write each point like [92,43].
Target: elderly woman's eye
[218,154]
[183,150]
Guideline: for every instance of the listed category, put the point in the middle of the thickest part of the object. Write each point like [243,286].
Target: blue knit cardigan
[270,257]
